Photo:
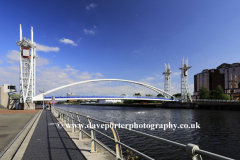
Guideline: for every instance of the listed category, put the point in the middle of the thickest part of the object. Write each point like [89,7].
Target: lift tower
[27,68]
[167,83]
[184,81]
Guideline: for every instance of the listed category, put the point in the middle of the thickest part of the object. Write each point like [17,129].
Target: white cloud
[99,74]
[46,48]
[91,6]
[10,75]
[13,55]
[53,77]
[176,73]
[160,84]
[41,61]
[84,76]
[46,77]
[191,88]
[150,78]
[68,41]
[1,61]
[174,89]
[89,32]
[94,26]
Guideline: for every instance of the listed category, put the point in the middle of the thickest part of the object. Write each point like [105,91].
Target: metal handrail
[214,100]
[191,149]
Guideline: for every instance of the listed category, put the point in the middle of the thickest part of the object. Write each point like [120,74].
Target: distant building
[225,75]
[71,95]
[5,101]
[110,101]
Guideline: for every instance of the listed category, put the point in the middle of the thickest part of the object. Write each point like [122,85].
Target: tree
[204,93]
[160,95]
[148,95]
[226,97]
[177,95]
[14,96]
[137,94]
[219,94]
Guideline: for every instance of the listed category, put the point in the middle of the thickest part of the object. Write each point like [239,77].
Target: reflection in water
[219,132]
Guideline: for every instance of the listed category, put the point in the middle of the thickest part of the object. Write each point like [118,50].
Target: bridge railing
[105,96]
[68,117]
[215,100]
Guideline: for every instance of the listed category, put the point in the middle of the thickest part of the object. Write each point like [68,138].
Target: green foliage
[148,95]
[204,93]
[60,102]
[123,94]
[75,102]
[130,155]
[178,95]
[137,94]
[160,95]
[128,101]
[216,94]
[14,96]
[226,97]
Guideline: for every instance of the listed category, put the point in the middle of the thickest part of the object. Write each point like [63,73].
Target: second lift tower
[185,94]
[167,83]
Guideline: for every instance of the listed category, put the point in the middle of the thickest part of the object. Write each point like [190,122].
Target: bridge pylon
[185,93]
[27,68]
[167,82]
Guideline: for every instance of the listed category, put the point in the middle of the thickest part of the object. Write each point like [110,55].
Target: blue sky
[84,39]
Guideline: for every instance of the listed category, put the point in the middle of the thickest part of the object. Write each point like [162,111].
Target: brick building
[226,75]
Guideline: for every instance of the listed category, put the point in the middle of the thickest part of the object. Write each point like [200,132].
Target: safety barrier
[68,117]
[215,100]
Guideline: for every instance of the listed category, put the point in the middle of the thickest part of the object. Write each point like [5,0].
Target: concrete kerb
[84,146]
[26,141]
[11,150]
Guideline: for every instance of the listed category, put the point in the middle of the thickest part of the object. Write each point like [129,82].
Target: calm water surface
[219,130]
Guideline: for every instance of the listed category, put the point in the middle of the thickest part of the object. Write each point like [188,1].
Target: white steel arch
[165,94]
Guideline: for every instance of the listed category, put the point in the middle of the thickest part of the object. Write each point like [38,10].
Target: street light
[43,97]
[52,109]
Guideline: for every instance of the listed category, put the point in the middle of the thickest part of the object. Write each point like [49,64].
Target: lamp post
[53,98]
[43,96]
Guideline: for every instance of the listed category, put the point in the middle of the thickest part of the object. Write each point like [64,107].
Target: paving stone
[49,142]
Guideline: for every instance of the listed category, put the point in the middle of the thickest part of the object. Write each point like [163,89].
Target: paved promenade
[49,142]
[11,123]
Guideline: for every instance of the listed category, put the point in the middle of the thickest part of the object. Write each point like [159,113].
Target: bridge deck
[49,142]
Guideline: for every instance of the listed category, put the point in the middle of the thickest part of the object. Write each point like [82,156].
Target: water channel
[219,131]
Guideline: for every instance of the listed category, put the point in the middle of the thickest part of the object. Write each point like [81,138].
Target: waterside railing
[68,117]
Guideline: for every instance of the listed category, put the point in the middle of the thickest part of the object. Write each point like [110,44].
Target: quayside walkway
[42,139]
[50,142]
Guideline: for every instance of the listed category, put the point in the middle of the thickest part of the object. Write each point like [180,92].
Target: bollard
[93,136]
[117,139]
[190,148]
